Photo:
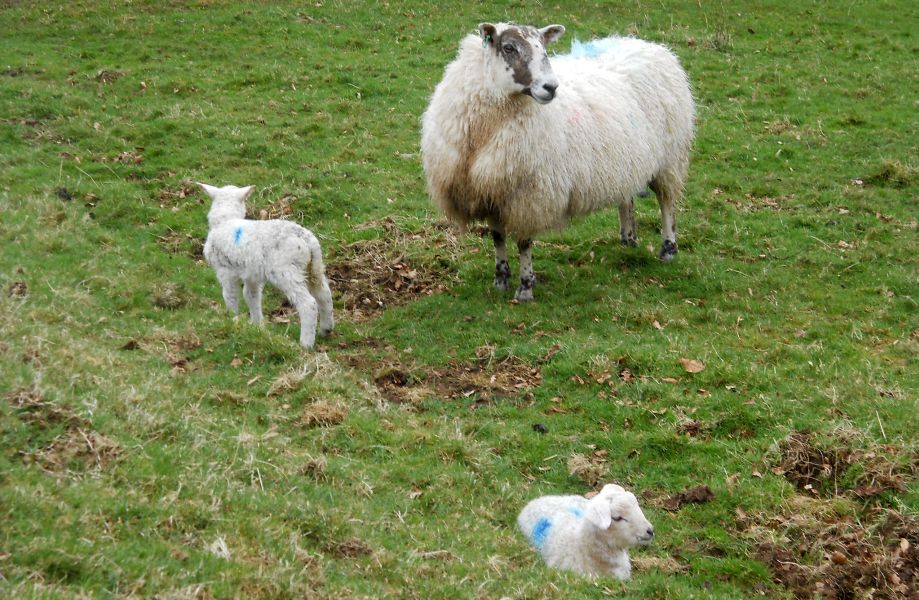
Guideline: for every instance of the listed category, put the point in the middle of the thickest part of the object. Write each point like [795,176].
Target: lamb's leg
[667,189]
[527,277]
[319,288]
[627,223]
[229,284]
[502,268]
[252,292]
[291,284]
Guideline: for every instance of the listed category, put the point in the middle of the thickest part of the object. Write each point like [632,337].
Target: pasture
[760,394]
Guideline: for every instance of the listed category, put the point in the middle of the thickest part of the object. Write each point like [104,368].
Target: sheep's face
[517,55]
[228,202]
[617,512]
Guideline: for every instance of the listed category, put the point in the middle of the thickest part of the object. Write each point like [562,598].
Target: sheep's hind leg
[667,192]
[527,277]
[627,223]
[229,285]
[502,268]
[291,284]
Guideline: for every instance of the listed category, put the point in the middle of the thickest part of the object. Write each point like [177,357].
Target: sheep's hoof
[500,284]
[668,251]
[524,294]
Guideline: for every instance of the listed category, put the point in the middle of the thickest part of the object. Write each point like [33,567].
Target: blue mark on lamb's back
[591,49]
[237,235]
[541,532]
[577,512]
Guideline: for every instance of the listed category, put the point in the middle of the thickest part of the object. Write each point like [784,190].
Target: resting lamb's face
[517,56]
[617,512]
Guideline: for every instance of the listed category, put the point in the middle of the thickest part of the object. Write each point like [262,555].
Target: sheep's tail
[315,270]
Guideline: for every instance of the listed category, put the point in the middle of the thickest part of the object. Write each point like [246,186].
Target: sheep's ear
[551,33]
[247,191]
[487,31]
[598,512]
[209,189]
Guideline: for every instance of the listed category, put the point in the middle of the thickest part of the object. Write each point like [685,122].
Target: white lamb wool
[591,537]
[275,251]
[523,142]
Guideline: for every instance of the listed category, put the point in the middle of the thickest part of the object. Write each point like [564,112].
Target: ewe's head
[228,202]
[616,512]
[517,55]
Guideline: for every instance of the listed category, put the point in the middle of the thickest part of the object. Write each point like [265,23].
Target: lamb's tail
[315,271]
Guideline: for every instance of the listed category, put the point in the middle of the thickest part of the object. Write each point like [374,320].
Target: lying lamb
[587,536]
[254,252]
[524,144]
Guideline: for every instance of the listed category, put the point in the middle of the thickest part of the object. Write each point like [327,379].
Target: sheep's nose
[550,87]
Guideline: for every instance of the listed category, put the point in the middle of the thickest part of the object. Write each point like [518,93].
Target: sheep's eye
[509,49]
[617,519]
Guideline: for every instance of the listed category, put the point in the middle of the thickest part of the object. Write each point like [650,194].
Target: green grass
[149,446]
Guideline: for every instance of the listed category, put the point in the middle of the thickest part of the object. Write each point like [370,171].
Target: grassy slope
[127,471]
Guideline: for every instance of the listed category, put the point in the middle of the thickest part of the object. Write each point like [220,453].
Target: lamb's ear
[611,489]
[209,189]
[598,512]
[551,33]
[247,191]
[487,32]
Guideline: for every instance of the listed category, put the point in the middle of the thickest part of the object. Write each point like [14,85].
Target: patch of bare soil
[349,548]
[841,465]
[826,555]
[171,346]
[696,495]
[368,276]
[483,379]
[76,446]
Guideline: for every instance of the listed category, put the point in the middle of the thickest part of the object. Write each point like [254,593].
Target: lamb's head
[517,56]
[227,202]
[616,512]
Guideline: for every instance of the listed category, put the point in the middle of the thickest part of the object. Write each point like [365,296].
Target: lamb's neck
[603,551]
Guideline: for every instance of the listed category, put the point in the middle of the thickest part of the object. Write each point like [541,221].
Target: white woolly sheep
[275,251]
[524,144]
[591,537]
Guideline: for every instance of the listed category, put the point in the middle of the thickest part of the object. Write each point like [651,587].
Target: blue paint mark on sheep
[541,532]
[237,235]
[577,512]
[591,49]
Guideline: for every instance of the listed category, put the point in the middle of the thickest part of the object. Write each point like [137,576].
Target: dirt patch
[822,554]
[696,495]
[369,276]
[174,242]
[482,380]
[843,464]
[349,548]
[17,289]
[76,446]
[171,346]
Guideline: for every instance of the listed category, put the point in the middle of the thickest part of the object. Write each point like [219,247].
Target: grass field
[150,447]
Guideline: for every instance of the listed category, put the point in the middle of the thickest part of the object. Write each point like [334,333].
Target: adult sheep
[524,144]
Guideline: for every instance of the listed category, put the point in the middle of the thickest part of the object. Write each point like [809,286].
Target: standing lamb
[587,536]
[275,251]
[524,144]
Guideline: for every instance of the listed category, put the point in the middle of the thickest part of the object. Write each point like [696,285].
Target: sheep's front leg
[229,285]
[252,292]
[502,268]
[527,277]
[627,223]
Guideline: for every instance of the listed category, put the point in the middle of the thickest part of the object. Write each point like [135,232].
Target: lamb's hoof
[668,251]
[524,294]
[629,242]
[325,331]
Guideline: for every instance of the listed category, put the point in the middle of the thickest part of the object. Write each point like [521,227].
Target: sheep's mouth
[547,98]
[645,540]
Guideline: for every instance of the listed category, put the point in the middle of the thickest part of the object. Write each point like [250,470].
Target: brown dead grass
[816,552]
[371,275]
[349,548]
[591,469]
[77,446]
[173,347]
[322,414]
[843,464]
[482,380]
